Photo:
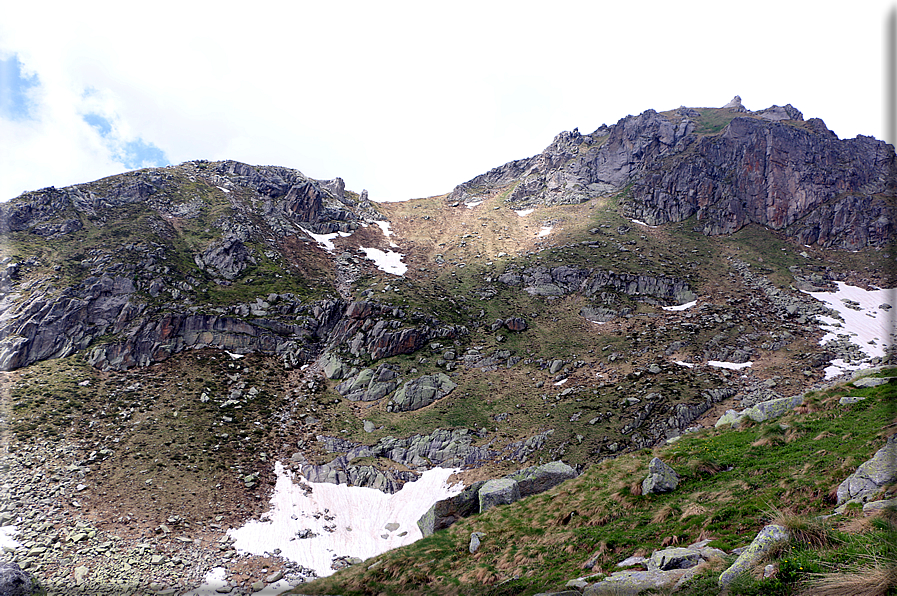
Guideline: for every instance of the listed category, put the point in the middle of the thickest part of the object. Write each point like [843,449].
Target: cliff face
[728,167]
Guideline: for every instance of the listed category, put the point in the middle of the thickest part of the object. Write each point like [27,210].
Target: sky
[404,99]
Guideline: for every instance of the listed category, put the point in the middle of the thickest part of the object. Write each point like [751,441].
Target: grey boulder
[661,478]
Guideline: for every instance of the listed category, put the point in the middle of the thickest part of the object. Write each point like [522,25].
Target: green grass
[731,484]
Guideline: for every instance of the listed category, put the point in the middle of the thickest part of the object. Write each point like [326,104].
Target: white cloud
[408,99]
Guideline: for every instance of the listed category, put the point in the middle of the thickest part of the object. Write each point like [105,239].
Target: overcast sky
[405,99]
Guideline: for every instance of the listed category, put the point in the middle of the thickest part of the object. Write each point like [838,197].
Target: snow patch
[729,365]
[681,306]
[474,204]
[234,356]
[384,225]
[641,223]
[389,261]
[524,212]
[865,325]
[6,537]
[561,382]
[357,518]
[222,188]
[546,230]
[685,364]
[326,240]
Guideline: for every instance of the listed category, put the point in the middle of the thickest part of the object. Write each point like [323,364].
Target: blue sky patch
[14,101]
[103,126]
[133,154]
[140,154]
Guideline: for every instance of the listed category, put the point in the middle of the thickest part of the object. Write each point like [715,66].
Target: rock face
[563,280]
[770,168]
[538,479]
[871,476]
[661,478]
[421,392]
[498,492]
[447,511]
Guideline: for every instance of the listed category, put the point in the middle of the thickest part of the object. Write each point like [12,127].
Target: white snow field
[389,261]
[347,520]
[866,325]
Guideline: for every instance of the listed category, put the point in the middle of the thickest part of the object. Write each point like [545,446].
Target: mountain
[170,335]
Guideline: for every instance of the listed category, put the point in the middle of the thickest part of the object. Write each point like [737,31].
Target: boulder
[15,582]
[870,381]
[629,583]
[674,558]
[447,511]
[421,392]
[498,492]
[370,384]
[516,324]
[661,478]
[762,543]
[475,542]
[538,479]
[872,475]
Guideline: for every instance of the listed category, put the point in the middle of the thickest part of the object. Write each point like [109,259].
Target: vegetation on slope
[733,482]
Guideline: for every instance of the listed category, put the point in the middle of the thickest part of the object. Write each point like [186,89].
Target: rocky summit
[169,336]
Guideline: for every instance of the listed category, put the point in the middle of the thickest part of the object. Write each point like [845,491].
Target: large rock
[447,511]
[761,412]
[421,392]
[661,478]
[538,479]
[767,538]
[498,492]
[872,475]
[370,384]
[15,582]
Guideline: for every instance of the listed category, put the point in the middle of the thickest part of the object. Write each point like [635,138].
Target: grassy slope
[732,483]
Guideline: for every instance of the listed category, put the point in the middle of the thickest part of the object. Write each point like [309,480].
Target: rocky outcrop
[447,511]
[563,280]
[421,392]
[503,491]
[481,495]
[769,168]
[370,384]
[538,479]
[872,476]
[442,448]
[51,325]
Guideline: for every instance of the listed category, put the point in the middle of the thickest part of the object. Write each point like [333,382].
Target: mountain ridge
[204,320]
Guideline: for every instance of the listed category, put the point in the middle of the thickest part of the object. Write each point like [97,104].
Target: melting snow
[6,537]
[524,212]
[686,364]
[234,356]
[389,261]
[868,328]
[546,230]
[729,365]
[326,240]
[474,204]
[384,225]
[358,518]
[641,223]
[681,306]
[561,382]
[222,189]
